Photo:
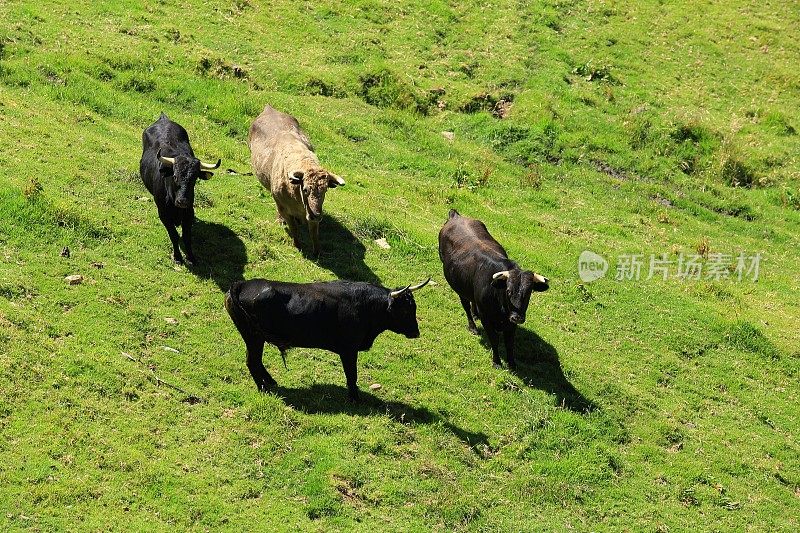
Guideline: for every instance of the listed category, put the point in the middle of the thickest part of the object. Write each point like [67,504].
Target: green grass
[646,128]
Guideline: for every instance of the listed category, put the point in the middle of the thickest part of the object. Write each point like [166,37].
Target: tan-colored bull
[285,163]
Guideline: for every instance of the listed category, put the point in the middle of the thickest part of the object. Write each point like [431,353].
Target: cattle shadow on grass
[332,399]
[342,252]
[539,367]
[220,252]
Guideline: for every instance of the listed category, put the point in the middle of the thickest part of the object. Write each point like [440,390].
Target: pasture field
[622,128]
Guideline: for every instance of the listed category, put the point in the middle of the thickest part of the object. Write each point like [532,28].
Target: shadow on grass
[342,253]
[220,252]
[539,367]
[331,399]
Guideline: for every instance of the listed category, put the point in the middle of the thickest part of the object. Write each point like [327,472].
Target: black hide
[343,317]
[470,258]
[172,187]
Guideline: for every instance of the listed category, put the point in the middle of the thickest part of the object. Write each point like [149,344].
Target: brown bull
[284,161]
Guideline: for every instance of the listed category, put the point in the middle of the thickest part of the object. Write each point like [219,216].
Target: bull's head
[403,310]
[517,286]
[313,184]
[185,173]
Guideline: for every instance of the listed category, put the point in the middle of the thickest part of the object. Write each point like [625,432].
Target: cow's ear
[499,283]
[296,177]
[334,181]
[540,283]
[499,279]
[204,175]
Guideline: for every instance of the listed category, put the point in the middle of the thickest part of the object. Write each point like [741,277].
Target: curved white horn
[166,160]
[398,292]
[503,274]
[207,166]
[337,179]
[417,287]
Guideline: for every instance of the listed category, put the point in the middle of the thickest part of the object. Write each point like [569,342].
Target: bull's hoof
[473,330]
[266,386]
[177,259]
[353,397]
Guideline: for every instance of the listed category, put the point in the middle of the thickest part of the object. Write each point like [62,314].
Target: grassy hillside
[658,127]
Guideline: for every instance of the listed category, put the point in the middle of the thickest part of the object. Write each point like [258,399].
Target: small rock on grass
[382,243]
[449,135]
[170,320]
[375,386]
[74,279]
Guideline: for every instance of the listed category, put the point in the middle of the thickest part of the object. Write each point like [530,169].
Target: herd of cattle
[344,317]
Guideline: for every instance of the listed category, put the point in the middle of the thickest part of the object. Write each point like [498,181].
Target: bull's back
[148,165]
[465,246]
[168,137]
[271,132]
[287,314]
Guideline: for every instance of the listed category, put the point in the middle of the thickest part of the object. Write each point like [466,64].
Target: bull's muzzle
[516,318]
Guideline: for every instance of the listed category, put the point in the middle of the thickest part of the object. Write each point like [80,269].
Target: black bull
[170,170]
[344,317]
[491,286]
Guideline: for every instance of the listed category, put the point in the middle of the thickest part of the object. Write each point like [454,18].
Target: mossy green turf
[646,128]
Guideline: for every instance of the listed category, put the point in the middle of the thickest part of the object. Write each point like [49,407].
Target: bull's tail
[237,313]
[452,214]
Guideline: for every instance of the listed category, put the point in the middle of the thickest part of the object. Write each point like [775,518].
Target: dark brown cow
[491,286]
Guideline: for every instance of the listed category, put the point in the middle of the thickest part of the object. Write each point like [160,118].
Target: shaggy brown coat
[284,161]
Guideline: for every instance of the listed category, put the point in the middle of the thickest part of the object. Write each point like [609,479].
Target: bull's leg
[470,321]
[313,229]
[287,220]
[173,236]
[255,351]
[293,229]
[351,373]
[494,340]
[188,220]
[508,338]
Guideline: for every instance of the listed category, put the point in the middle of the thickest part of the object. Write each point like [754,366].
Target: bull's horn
[337,179]
[503,274]
[206,166]
[417,287]
[398,292]
[166,160]
[539,278]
